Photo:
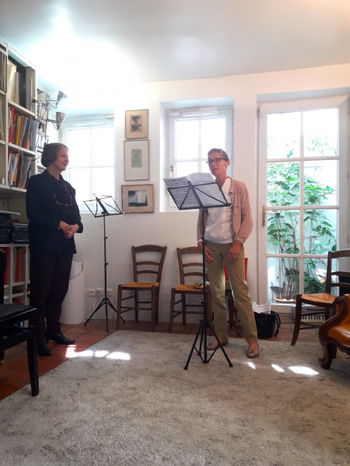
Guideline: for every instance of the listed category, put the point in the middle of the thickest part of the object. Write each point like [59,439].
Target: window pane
[103,181]
[320,182]
[102,146]
[79,147]
[315,275]
[283,277]
[283,135]
[283,183]
[319,231]
[213,134]
[80,180]
[204,167]
[283,232]
[321,132]
[186,133]
[185,168]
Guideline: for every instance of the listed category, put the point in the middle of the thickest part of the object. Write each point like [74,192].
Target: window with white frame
[91,160]
[192,133]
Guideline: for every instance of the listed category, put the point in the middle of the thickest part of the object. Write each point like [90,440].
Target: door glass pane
[283,183]
[213,134]
[186,139]
[320,182]
[320,231]
[283,135]
[283,232]
[283,277]
[315,275]
[320,132]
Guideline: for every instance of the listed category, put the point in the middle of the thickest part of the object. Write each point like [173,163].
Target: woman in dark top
[53,221]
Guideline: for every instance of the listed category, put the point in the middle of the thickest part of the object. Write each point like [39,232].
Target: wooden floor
[14,370]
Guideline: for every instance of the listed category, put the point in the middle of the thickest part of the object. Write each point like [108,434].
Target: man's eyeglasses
[216,160]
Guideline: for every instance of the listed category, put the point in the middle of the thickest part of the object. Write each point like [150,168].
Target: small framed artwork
[136,160]
[136,124]
[137,198]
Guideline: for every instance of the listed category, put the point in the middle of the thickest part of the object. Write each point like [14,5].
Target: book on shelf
[24,170]
[20,264]
[2,120]
[12,82]
[22,130]
[7,252]
[19,169]
[3,71]
[13,164]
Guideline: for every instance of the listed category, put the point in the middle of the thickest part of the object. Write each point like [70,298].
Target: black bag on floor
[267,324]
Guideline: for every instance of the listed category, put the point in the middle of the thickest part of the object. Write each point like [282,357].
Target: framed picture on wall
[136,160]
[137,198]
[136,124]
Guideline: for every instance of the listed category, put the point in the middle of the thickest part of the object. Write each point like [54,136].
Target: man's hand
[234,251]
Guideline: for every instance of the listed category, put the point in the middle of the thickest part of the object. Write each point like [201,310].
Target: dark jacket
[48,202]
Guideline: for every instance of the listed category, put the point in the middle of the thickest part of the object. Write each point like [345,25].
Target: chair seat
[139,285]
[317,298]
[341,333]
[188,289]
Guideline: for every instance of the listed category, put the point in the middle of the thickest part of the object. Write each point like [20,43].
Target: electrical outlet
[90,292]
[109,292]
[99,291]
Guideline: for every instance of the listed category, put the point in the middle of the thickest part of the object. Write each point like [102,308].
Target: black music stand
[199,191]
[104,206]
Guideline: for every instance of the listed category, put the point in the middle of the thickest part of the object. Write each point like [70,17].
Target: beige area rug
[128,401]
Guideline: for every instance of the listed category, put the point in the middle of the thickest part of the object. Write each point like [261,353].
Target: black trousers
[49,280]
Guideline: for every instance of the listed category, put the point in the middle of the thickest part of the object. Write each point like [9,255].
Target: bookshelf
[18,150]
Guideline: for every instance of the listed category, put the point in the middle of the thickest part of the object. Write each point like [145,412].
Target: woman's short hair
[50,151]
[220,151]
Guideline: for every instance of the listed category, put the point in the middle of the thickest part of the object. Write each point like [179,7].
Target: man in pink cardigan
[226,229]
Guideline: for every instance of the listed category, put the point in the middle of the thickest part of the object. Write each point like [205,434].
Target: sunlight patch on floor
[304,370]
[118,355]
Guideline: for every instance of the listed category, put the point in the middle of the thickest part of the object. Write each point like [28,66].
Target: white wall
[178,229]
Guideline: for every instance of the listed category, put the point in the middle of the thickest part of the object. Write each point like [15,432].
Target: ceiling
[89,47]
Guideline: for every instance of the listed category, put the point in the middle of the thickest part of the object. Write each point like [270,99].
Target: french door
[302,183]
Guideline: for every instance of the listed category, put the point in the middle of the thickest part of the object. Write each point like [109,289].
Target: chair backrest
[148,261]
[338,272]
[190,265]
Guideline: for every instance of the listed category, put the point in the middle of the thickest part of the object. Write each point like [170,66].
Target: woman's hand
[63,226]
[71,230]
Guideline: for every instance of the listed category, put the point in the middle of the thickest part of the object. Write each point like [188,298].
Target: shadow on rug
[128,401]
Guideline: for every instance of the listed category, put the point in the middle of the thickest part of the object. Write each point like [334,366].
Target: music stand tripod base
[104,207]
[202,351]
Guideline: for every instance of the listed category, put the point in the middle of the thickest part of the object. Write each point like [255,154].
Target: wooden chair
[188,294]
[13,332]
[322,304]
[335,332]
[147,263]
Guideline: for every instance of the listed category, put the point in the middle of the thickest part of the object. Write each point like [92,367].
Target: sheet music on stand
[194,190]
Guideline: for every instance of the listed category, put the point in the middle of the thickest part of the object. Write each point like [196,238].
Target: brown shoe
[253,350]
[215,344]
